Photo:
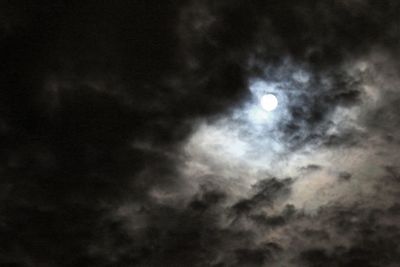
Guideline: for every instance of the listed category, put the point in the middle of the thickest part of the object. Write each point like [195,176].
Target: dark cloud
[97,99]
[344,176]
[268,191]
[192,234]
[311,168]
[373,244]
[312,106]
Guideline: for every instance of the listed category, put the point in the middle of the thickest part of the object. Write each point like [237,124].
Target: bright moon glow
[269,102]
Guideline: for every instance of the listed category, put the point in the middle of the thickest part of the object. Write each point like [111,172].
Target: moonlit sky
[133,133]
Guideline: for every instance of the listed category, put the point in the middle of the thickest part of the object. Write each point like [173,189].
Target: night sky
[132,133]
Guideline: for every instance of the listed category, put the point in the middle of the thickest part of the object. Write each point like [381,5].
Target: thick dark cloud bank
[107,107]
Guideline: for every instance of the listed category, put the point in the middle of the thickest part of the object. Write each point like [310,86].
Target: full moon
[269,102]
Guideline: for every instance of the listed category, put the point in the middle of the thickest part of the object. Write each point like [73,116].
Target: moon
[269,102]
